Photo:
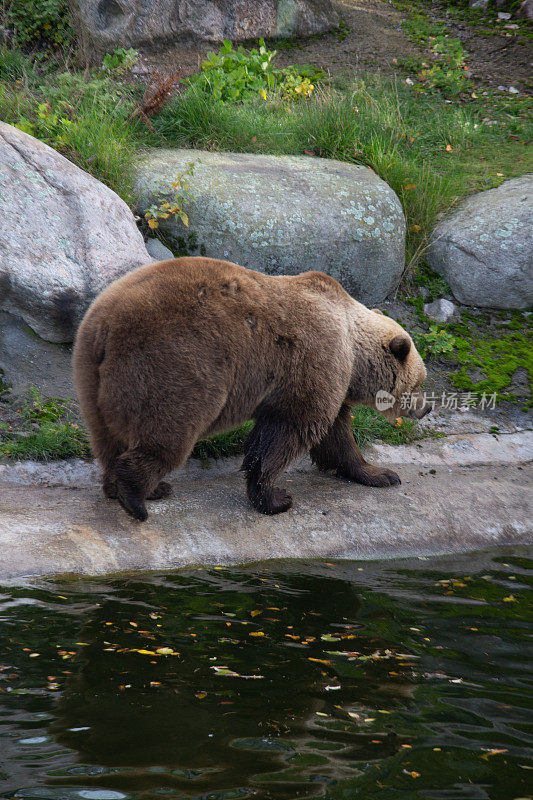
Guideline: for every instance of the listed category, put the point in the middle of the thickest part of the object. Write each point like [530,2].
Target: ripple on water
[305,679]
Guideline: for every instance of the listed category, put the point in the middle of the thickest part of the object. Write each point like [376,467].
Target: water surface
[406,679]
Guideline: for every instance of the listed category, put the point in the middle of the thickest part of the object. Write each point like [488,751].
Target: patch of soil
[502,58]
[370,39]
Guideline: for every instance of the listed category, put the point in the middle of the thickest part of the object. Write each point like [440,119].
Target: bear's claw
[368,475]
[163,489]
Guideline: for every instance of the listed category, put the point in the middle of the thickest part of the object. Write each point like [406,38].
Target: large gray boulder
[284,215]
[484,248]
[65,236]
[106,24]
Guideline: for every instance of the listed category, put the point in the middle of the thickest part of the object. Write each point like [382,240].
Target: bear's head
[391,375]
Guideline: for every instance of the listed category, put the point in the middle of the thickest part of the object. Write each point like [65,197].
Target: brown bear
[177,350]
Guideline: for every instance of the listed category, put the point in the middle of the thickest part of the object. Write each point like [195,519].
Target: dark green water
[280,681]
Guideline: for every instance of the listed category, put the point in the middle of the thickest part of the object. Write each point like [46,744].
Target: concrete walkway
[457,494]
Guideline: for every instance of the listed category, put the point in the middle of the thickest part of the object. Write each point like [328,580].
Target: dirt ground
[371,38]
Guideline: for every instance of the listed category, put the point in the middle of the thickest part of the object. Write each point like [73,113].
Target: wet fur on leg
[269,449]
[338,451]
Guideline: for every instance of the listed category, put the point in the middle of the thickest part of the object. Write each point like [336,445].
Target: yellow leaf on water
[255,612]
[256,633]
[490,753]
[510,599]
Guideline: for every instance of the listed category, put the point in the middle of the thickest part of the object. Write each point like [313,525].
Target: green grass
[14,65]
[57,437]
[53,441]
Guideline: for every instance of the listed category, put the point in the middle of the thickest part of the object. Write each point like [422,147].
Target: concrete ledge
[54,519]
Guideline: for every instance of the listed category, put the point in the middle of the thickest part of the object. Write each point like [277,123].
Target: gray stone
[439,310]
[484,248]
[104,25]
[284,215]
[478,4]
[27,360]
[458,494]
[65,236]
[157,250]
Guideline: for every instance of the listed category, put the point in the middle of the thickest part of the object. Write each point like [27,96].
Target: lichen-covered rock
[484,248]
[105,24]
[65,236]
[284,215]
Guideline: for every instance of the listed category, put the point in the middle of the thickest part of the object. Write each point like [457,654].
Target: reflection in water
[275,682]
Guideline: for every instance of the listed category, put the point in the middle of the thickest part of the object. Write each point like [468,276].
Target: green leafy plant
[50,124]
[120,60]
[448,72]
[231,75]
[172,201]
[437,342]
[39,22]
[295,85]
[241,75]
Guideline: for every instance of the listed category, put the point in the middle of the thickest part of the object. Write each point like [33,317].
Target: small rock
[478,4]
[439,310]
[157,250]
[512,90]
[504,15]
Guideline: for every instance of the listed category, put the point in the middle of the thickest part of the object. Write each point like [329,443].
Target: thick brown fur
[177,350]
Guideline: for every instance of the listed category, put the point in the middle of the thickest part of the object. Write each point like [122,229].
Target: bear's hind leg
[269,449]
[139,472]
[338,450]
[107,449]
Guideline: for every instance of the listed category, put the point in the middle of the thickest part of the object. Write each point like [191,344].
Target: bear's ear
[400,347]
[378,311]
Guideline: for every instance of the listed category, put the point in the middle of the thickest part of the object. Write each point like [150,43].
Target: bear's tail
[88,355]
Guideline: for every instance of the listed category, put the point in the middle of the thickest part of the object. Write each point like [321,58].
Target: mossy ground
[486,348]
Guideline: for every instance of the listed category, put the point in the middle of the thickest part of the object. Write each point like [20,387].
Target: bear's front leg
[338,450]
[270,447]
